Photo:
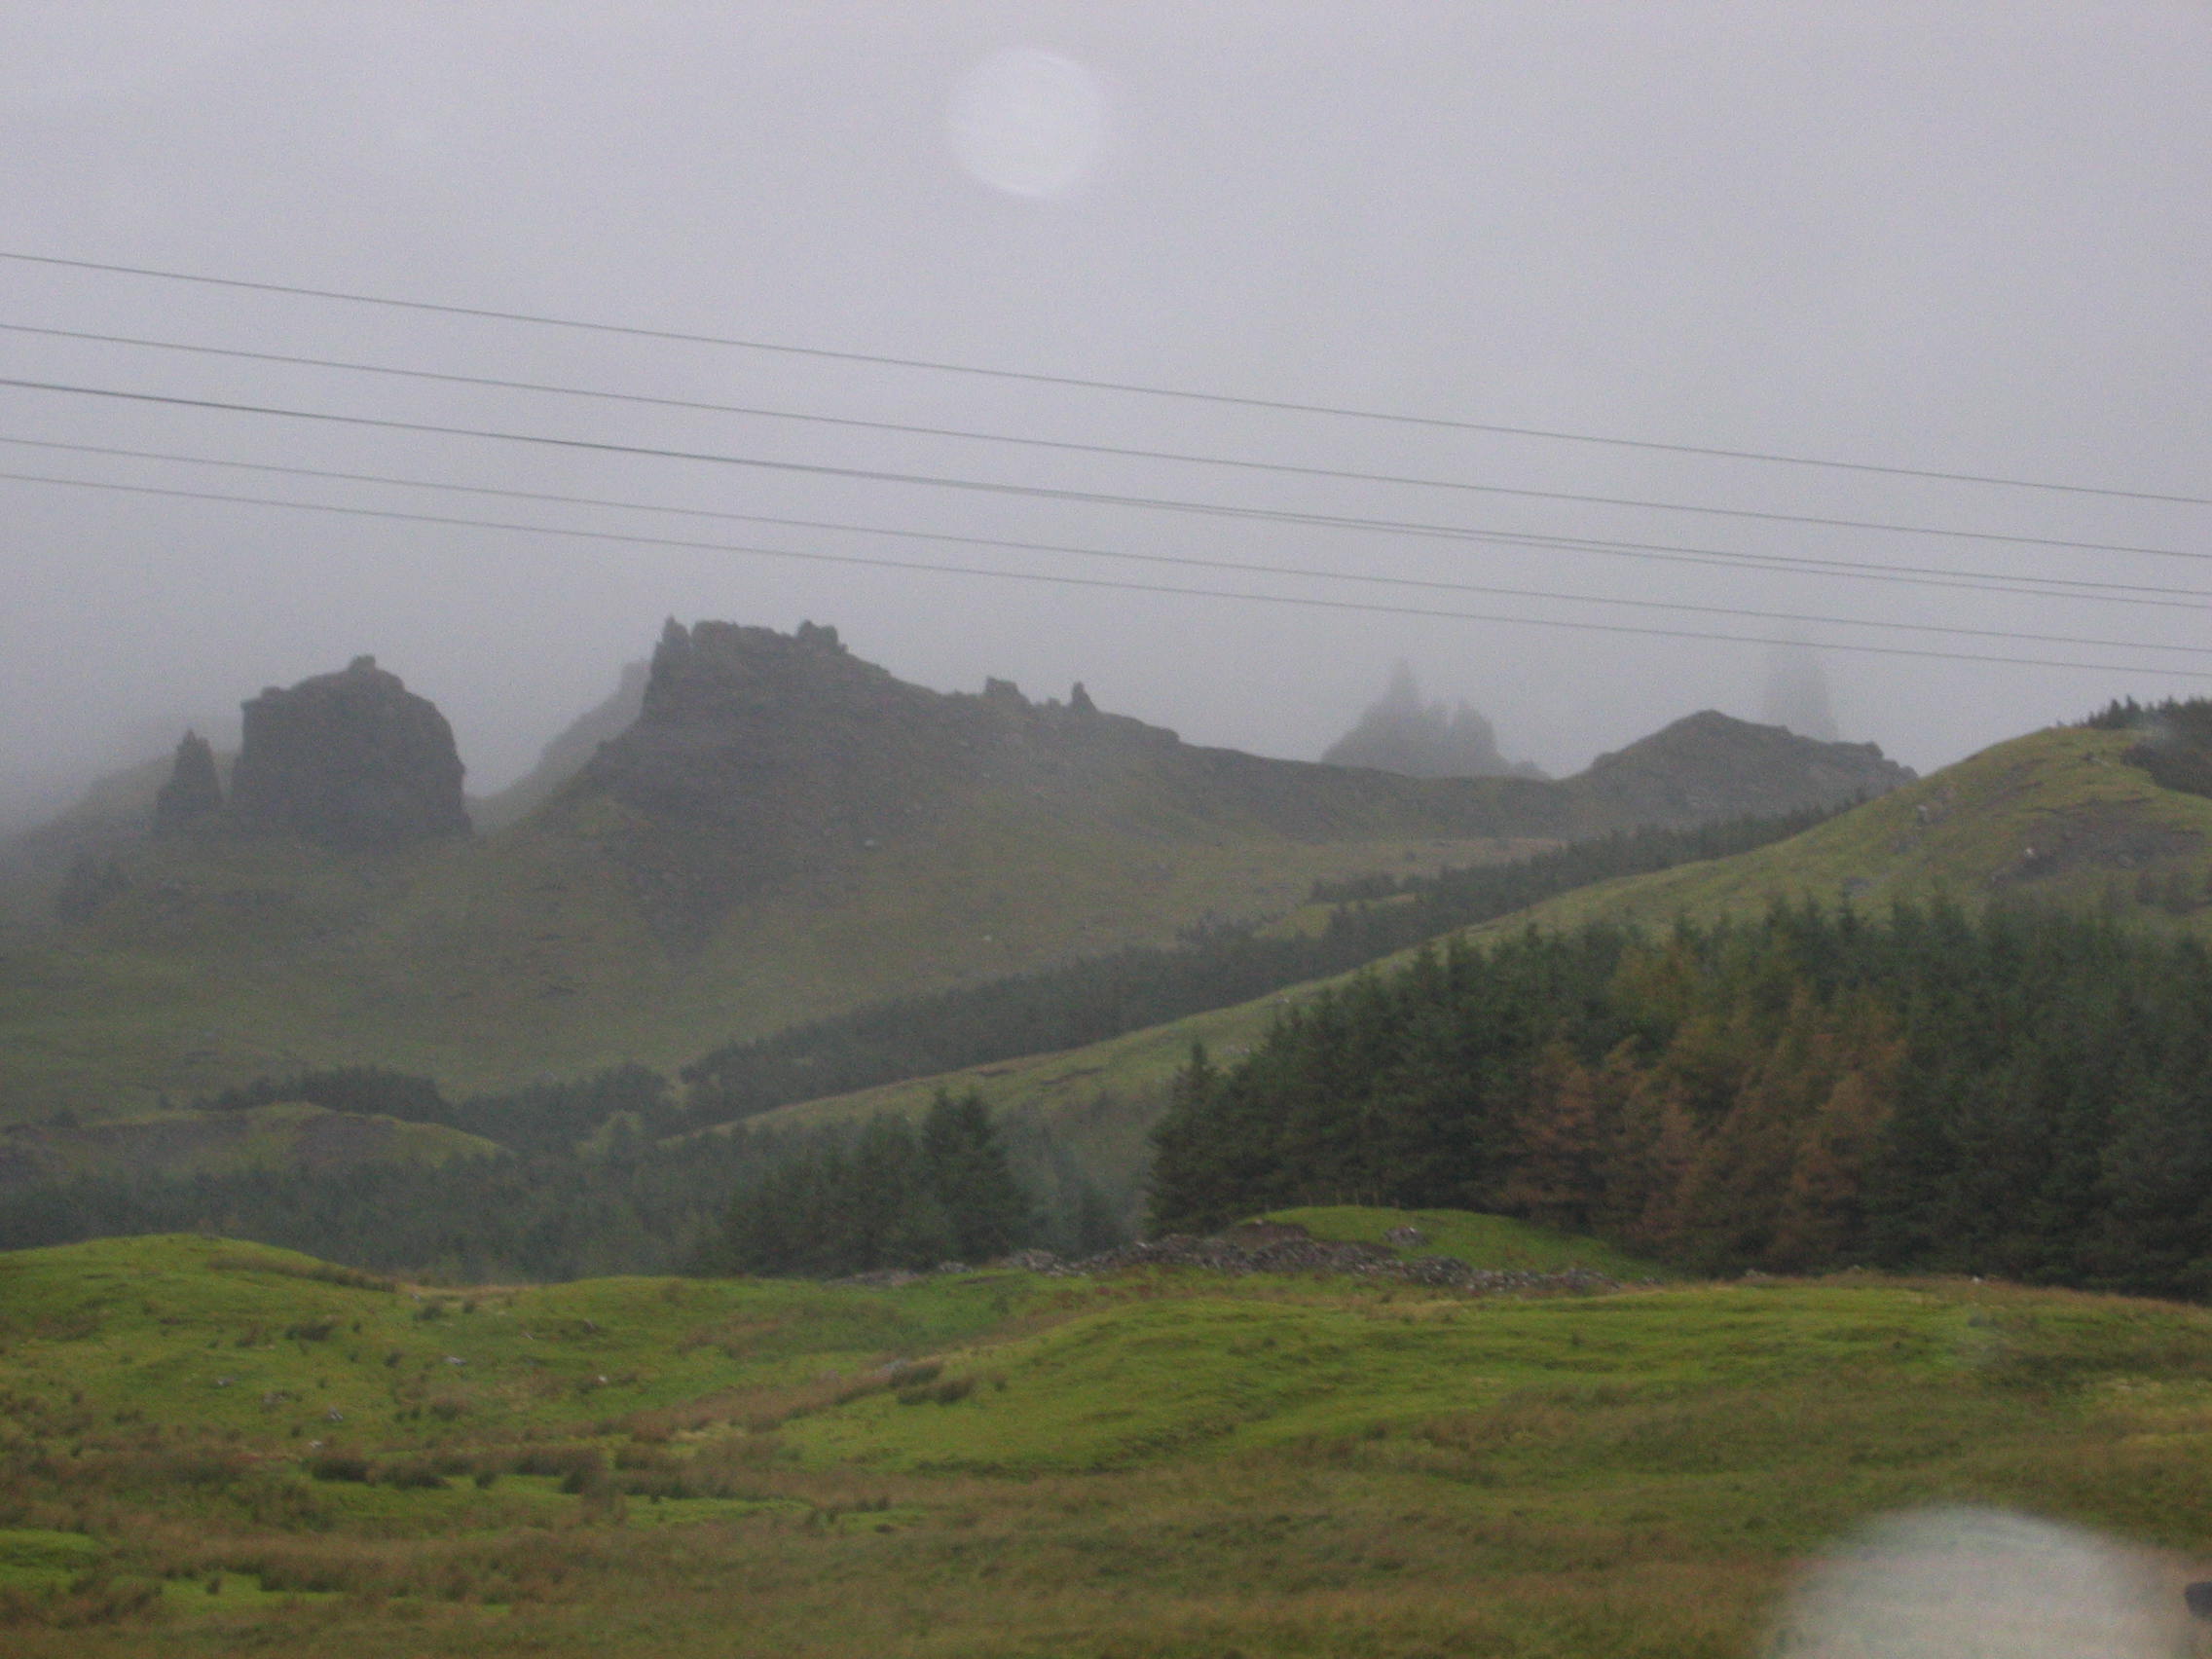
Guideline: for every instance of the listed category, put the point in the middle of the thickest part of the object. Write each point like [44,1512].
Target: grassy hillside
[211,1447]
[523,955]
[2056,817]
[287,1135]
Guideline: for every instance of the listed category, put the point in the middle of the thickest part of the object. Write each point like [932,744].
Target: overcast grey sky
[1966,237]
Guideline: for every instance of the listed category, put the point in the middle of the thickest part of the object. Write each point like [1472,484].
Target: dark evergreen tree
[986,1212]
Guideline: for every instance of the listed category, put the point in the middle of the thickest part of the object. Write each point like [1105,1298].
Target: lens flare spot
[1027,121]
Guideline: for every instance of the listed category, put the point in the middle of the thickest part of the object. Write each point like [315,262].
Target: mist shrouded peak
[1796,694]
[1400,733]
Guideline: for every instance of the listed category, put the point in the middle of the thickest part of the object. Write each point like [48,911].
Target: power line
[1967,581]
[1101,497]
[1080,383]
[1118,452]
[1306,602]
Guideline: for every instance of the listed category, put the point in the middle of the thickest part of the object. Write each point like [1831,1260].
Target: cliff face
[757,757]
[351,760]
[758,732]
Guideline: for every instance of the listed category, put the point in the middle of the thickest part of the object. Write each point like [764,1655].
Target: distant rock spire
[1798,693]
[1400,733]
[193,793]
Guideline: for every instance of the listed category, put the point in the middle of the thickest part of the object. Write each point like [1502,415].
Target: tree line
[2018,1094]
[892,1195]
[883,1194]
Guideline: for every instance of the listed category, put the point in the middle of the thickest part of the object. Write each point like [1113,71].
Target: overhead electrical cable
[1081,382]
[1305,601]
[1018,441]
[602,446]
[2072,589]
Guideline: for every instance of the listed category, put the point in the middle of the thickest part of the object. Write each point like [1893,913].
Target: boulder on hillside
[194,794]
[351,760]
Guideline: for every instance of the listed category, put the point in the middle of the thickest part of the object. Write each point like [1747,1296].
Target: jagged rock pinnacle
[194,794]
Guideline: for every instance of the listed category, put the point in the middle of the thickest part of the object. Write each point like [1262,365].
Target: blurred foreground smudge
[1960,1583]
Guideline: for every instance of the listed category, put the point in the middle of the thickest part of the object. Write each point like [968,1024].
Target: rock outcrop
[194,793]
[1710,766]
[353,760]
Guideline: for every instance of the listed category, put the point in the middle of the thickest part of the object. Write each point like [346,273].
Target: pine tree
[1560,1136]
[985,1211]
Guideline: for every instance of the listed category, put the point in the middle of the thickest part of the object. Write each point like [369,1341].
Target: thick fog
[1971,239]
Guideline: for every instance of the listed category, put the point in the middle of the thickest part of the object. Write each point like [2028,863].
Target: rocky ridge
[568,753]
[1711,765]
[1402,733]
[758,758]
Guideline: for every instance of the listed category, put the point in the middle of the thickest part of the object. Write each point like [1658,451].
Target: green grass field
[212,1448]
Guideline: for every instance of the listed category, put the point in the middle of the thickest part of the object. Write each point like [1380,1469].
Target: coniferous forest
[2023,1094]
[884,1195]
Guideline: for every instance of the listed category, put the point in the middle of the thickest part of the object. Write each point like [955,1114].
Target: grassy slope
[1164,1465]
[521,955]
[2053,817]
[287,1134]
